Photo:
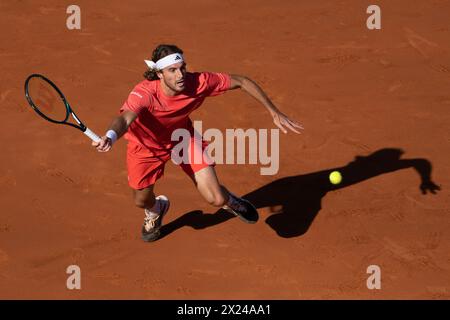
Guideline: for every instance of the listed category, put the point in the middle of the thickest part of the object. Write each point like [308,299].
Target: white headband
[165,62]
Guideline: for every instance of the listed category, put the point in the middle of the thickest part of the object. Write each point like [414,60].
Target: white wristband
[112,135]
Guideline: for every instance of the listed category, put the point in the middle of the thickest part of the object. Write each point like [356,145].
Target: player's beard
[175,87]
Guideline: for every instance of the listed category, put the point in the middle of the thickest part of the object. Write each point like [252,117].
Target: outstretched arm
[119,125]
[280,119]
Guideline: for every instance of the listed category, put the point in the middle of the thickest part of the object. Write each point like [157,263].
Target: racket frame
[69,110]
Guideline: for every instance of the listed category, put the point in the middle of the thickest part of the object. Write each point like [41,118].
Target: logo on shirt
[241,145]
[136,94]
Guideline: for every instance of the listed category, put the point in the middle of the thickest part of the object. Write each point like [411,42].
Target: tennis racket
[49,102]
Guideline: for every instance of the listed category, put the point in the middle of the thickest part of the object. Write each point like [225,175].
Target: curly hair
[160,52]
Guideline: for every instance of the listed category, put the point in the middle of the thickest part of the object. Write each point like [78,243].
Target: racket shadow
[298,199]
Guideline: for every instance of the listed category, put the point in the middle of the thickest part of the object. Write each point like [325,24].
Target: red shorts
[145,166]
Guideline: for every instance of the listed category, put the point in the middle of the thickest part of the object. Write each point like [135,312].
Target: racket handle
[92,135]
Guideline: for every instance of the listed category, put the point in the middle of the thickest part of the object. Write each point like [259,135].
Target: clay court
[375,106]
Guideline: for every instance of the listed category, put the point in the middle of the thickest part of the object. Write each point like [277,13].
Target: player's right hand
[104,145]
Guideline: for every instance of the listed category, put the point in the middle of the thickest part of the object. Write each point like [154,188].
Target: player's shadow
[298,198]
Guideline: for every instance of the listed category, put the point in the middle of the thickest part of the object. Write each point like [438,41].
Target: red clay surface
[357,92]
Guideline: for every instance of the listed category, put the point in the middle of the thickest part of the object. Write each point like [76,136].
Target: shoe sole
[155,235]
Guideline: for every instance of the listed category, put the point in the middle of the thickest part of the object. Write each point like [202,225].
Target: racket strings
[46,99]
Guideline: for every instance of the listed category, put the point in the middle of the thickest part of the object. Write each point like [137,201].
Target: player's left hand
[283,122]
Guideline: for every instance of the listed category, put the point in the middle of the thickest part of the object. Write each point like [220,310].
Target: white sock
[154,211]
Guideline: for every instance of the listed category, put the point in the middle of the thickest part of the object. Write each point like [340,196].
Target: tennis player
[161,104]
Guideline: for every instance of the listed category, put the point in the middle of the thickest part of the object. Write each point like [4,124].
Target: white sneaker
[151,227]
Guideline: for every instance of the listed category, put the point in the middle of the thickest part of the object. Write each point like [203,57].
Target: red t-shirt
[159,115]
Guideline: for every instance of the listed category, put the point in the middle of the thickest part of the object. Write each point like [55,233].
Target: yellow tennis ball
[335,177]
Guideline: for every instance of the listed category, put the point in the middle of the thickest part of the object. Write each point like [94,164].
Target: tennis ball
[335,177]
